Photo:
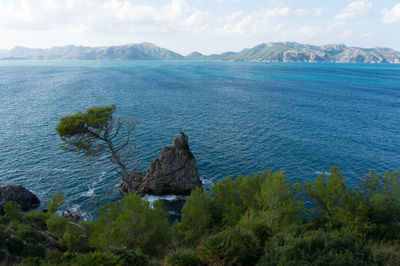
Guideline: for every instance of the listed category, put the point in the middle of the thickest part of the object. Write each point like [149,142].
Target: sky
[206,26]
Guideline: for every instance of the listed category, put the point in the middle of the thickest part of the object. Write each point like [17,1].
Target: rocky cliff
[19,195]
[174,172]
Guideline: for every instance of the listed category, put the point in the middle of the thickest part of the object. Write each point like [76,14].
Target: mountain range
[266,52]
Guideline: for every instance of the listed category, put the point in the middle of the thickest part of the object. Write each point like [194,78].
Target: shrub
[132,257]
[74,239]
[97,258]
[3,255]
[3,238]
[183,258]
[318,248]
[14,245]
[56,257]
[196,218]
[276,202]
[36,219]
[231,246]
[56,224]
[57,200]
[254,222]
[31,250]
[12,210]
[132,224]
[31,262]
[26,233]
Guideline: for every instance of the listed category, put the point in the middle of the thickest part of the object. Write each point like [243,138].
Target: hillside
[266,52]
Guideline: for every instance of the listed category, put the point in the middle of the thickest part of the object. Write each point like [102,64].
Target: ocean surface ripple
[241,118]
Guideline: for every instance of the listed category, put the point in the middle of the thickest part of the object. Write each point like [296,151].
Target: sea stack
[175,172]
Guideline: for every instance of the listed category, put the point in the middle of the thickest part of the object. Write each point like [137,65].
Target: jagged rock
[175,172]
[19,195]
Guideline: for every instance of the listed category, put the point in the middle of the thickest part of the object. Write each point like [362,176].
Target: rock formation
[19,195]
[175,172]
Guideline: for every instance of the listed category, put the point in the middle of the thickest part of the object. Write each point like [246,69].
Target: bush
[132,224]
[53,205]
[232,246]
[31,262]
[31,250]
[3,238]
[36,219]
[183,258]
[97,258]
[3,255]
[56,257]
[318,248]
[14,245]
[254,222]
[73,238]
[56,225]
[196,218]
[387,254]
[132,257]
[12,210]
[26,233]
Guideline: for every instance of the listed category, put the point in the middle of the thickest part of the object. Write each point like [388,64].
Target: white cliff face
[175,172]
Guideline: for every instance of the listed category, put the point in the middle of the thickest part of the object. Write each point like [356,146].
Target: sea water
[241,118]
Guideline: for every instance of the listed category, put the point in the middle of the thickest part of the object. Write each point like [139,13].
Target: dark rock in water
[175,172]
[19,195]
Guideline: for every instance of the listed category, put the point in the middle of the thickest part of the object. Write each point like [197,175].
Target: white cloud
[302,12]
[391,15]
[112,16]
[356,9]
[256,22]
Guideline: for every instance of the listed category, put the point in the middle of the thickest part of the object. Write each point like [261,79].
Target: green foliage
[276,201]
[318,248]
[3,255]
[253,221]
[33,261]
[132,257]
[331,198]
[132,224]
[15,245]
[3,238]
[26,233]
[56,257]
[56,225]
[379,197]
[53,205]
[32,250]
[232,198]
[74,238]
[372,209]
[233,246]
[36,219]
[82,131]
[183,258]
[196,218]
[344,225]
[12,210]
[97,259]
[387,253]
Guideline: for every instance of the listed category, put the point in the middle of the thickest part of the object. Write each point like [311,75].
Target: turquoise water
[241,118]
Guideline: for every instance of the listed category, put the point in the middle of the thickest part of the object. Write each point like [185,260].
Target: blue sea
[241,118]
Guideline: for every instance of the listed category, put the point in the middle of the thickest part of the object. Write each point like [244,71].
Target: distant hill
[266,52]
[297,52]
[143,51]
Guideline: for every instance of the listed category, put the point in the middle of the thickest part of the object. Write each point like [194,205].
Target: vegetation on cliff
[261,219]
